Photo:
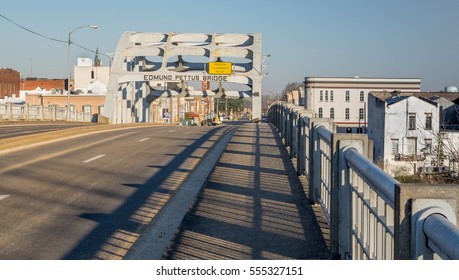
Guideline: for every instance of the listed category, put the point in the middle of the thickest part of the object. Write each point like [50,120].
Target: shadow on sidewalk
[253,207]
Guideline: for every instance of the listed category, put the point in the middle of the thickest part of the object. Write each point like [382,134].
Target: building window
[92,74]
[332,113]
[428,146]
[411,146]
[321,97]
[320,113]
[331,95]
[395,147]
[412,121]
[87,109]
[347,96]
[361,96]
[326,95]
[429,121]
[346,114]
[361,114]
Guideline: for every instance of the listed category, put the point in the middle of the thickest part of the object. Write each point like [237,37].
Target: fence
[371,215]
[12,112]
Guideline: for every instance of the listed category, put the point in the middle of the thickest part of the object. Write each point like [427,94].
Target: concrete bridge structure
[154,73]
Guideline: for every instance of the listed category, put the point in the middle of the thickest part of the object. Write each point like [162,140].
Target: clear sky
[336,38]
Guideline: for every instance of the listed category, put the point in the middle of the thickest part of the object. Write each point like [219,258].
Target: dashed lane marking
[144,139]
[4,196]
[94,158]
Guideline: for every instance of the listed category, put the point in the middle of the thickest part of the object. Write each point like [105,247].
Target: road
[9,131]
[90,197]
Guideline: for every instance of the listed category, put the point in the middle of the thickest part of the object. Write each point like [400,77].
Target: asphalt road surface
[9,131]
[89,197]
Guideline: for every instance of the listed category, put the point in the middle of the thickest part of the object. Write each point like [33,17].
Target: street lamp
[69,70]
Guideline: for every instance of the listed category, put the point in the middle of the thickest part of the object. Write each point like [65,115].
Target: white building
[345,99]
[90,77]
[405,131]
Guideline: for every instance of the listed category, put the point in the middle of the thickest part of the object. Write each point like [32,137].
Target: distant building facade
[345,99]
[295,96]
[9,83]
[91,77]
[405,131]
[32,83]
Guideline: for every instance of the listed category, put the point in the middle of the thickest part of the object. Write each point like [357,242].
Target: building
[32,83]
[9,83]
[295,96]
[91,77]
[88,103]
[405,130]
[345,99]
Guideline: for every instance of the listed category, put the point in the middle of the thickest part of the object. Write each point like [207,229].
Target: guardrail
[13,112]
[371,215]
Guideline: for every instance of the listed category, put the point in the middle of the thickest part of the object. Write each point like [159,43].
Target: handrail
[443,236]
[325,134]
[384,184]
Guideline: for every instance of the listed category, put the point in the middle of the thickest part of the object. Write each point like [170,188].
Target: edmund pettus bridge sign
[146,64]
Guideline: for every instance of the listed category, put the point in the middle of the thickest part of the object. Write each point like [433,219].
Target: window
[411,146]
[428,146]
[92,74]
[331,95]
[87,109]
[362,94]
[395,147]
[346,114]
[347,96]
[332,113]
[326,95]
[429,121]
[361,114]
[412,121]
[321,97]
[320,113]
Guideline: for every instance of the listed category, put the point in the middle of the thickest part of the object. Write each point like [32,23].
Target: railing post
[341,197]
[303,141]
[10,111]
[315,162]
[413,202]
[54,113]
[41,113]
[27,111]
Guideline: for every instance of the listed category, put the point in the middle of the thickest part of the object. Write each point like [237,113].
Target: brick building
[9,82]
[47,84]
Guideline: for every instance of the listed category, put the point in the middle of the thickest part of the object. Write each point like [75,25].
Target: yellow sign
[220,68]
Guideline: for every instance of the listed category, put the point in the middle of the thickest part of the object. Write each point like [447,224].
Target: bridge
[291,188]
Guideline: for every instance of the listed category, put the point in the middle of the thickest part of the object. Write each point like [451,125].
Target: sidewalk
[253,206]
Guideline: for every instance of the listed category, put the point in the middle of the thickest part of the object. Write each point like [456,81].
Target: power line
[44,36]
[31,31]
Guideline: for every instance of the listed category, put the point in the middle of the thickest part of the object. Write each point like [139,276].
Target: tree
[291,87]
[230,104]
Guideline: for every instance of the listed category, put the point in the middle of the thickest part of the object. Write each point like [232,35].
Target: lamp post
[69,70]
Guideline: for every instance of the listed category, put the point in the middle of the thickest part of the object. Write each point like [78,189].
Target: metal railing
[13,112]
[371,199]
[371,215]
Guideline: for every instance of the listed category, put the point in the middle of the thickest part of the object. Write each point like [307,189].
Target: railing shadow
[117,231]
[253,207]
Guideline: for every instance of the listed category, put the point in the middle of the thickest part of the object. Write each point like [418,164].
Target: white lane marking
[94,158]
[4,196]
[144,139]
[172,130]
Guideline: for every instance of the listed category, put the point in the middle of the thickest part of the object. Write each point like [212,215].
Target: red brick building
[9,82]
[47,84]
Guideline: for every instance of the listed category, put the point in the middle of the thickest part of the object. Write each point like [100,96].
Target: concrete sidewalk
[253,206]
